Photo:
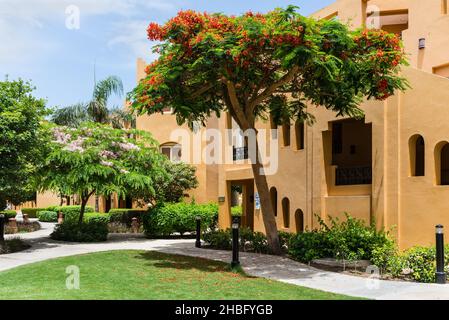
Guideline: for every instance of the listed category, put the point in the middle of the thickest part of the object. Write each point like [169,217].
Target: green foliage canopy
[20,117]
[98,159]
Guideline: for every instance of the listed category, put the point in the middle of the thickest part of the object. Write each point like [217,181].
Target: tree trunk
[97,203]
[269,219]
[83,208]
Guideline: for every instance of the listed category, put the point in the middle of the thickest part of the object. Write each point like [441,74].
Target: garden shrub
[9,214]
[88,231]
[96,217]
[417,263]
[236,211]
[72,213]
[248,240]
[284,239]
[125,216]
[308,246]
[32,212]
[47,216]
[218,239]
[166,219]
[347,240]
[259,243]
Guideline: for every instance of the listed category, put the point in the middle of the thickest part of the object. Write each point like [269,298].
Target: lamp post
[440,275]
[198,232]
[235,241]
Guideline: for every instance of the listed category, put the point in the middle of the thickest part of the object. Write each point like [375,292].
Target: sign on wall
[257,200]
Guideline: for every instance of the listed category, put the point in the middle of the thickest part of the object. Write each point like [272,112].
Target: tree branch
[236,106]
[202,90]
[272,89]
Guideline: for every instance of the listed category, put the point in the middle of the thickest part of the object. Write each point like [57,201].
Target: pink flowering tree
[101,160]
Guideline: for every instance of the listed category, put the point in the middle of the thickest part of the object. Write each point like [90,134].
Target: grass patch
[145,275]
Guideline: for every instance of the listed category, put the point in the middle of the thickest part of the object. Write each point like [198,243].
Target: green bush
[248,240]
[168,218]
[88,231]
[47,216]
[125,216]
[9,214]
[285,238]
[72,213]
[307,246]
[416,263]
[259,243]
[97,217]
[348,240]
[32,212]
[219,239]
[52,208]
[236,211]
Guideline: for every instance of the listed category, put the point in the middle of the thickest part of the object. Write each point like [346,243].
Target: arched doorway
[286,212]
[299,220]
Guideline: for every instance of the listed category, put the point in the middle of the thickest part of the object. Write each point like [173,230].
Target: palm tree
[96,110]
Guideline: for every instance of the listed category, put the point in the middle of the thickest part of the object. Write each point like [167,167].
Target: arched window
[299,219]
[286,212]
[442,163]
[286,134]
[417,156]
[299,133]
[172,151]
[274,200]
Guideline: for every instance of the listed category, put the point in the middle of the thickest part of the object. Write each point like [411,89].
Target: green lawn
[144,275]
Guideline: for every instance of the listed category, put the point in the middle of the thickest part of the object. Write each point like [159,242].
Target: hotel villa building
[391,168]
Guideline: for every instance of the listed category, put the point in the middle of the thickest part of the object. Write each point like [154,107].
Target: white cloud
[22,23]
[37,11]
[132,34]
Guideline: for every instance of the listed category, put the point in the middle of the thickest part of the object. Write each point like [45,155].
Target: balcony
[353,176]
[239,153]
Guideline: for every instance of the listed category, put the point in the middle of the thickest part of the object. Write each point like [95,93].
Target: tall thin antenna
[95,72]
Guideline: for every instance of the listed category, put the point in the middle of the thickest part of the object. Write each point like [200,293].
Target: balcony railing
[240,153]
[353,176]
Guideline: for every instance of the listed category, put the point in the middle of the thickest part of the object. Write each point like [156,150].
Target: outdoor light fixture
[422,43]
[235,241]
[198,232]
[440,275]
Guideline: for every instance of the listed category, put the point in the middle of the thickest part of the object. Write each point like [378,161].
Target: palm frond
[120,118]
[70,116]
[105,88]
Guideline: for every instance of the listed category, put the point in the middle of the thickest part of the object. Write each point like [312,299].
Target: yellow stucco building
[391,168]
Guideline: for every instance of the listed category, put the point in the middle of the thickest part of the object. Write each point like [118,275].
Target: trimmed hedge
[47,216]
[88,231]
[72,213]
[96,217]
[32,212]
[125,216]
[166,219]
[9,214]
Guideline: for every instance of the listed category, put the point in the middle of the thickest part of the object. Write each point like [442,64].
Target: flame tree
[256,65]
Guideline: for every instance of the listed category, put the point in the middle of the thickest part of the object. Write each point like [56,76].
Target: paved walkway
[272,267]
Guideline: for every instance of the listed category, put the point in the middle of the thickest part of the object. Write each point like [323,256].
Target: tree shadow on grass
[180,262]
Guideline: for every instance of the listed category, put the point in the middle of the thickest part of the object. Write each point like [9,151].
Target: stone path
[272,267]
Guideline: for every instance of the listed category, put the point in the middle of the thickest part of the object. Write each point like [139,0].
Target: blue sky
[112,33]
